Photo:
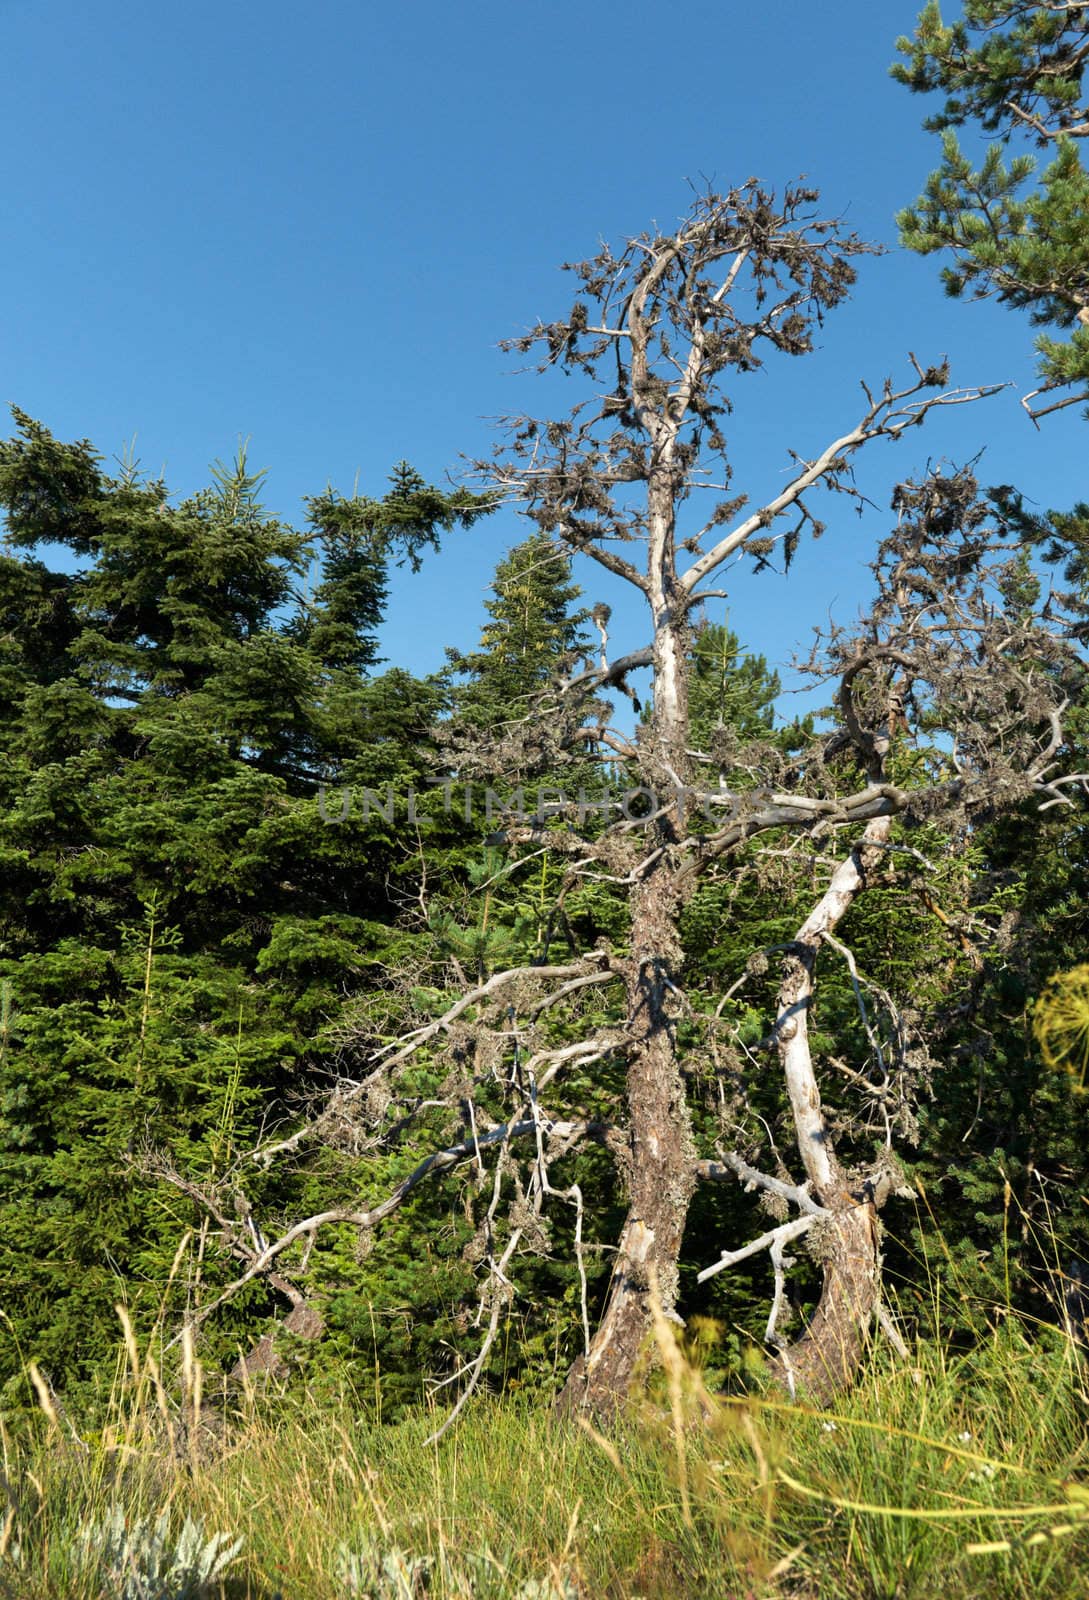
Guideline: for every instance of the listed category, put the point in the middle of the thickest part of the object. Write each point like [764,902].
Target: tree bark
[824,1360]
[263,1359]
[661,1160]
[661,1151]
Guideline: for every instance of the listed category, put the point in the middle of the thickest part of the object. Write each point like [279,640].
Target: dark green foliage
[533,633]
[1002,1156]
[194,942]
[179,926]
[401,1306]
[355,538]
[1016,70]
[728,690]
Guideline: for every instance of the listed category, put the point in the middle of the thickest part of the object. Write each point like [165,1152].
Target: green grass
[890,1494]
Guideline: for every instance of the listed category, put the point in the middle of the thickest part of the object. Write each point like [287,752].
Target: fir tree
[179,925]
[533,633]
[729,689]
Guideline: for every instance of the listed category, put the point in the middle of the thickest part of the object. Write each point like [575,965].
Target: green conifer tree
[1005,1137]
[533,632]
[179,923]
[1010,231]
[729,689]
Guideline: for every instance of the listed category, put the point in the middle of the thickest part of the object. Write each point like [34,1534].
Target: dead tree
[637,478]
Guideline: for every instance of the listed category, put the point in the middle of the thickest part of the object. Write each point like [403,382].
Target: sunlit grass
[952,1475]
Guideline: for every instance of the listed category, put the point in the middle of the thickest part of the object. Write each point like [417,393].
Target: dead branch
[402,1050]
[439,1161]
[730,1164]
[888,417]
[777,1237]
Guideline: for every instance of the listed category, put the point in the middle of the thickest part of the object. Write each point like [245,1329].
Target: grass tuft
[954,1474]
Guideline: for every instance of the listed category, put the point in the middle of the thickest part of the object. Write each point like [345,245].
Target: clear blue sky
[312,225]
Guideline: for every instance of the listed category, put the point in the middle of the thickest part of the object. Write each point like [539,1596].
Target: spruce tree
[179,922]
[533,632]
[730,689]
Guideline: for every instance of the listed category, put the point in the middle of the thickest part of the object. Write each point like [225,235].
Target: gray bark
[824,1360]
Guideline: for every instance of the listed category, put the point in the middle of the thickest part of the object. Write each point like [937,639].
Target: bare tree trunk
[825,1359]
[661,1151]
[661,1160]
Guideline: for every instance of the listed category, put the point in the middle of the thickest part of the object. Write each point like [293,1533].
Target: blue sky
[313,225]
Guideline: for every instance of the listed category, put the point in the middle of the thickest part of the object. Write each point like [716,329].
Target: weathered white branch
[499,980]
[586,982]
[406,1047]
[829,938]
[730,1164]
[1036,412]
[881,419]
[891,1331]
[474,1368]
[554,1061]
[777,1236]
[779,1264]
[795,998]
[879,801]
[439,1161]
[573,1195]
